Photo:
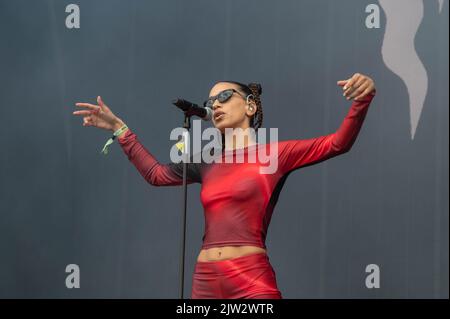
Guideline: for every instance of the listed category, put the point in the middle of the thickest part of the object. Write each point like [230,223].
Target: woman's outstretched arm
[294,154]
[154,172]
[101,116]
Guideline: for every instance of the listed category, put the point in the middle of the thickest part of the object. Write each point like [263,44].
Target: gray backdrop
[62,202]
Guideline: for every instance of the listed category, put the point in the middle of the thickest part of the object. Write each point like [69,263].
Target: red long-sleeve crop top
[238,200]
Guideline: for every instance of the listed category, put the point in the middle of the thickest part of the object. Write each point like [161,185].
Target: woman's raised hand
[357,87]
[98,115]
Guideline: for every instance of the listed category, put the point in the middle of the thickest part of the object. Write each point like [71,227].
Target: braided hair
[257,119]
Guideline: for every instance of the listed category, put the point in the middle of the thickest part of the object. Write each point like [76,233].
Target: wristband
[112,138]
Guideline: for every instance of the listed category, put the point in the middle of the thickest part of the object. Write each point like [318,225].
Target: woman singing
[238,200]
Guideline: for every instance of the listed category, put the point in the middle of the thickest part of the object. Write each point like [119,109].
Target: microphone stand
[189,109]
[186,146]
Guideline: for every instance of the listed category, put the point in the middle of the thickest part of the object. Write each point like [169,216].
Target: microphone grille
[209,114]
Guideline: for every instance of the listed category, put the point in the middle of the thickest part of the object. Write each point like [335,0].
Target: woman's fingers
[94,108]
[355,86]
[352,82]
[100,102]
[363,94]
[82,113]
[88,105]
[349,84]
[358,89]
[348,90]
[93,115]
[341,82]
[86,121]
[358,86]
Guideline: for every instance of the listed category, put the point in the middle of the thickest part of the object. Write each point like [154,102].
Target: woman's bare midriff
[227,252]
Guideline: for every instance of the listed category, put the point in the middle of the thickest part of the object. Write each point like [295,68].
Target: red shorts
[249,276]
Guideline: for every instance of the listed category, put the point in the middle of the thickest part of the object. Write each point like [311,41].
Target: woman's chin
[221,126]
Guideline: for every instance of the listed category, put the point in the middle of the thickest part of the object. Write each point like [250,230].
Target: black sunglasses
[222,97]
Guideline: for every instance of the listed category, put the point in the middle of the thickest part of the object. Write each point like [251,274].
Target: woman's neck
[239,138]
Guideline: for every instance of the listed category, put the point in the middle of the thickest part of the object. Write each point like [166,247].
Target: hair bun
[255,87]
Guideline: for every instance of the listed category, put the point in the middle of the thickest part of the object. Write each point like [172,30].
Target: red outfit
[248,276]
[238,200]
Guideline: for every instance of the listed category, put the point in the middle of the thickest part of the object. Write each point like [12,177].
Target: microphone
[205,113]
